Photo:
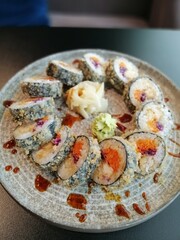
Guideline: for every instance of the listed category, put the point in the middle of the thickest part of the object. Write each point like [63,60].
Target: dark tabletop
[19,47]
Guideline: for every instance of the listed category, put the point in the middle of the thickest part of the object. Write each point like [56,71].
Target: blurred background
[91,13]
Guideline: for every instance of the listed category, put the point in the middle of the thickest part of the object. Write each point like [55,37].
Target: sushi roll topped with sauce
[92,66]
[140,91]
[155,117]
[121,71]
[66,73]
[32,108]
[42,86]
[150,149]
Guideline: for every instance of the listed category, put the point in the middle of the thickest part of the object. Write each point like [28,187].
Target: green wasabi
[103,126]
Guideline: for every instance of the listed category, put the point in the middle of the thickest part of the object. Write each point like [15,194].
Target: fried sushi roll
[150,149]
[121,71]
[78,166]
[113,164]
[93,67]
[42,86]
[51,154]
[155,117]
[141,91]
[66,73]
[32,135]
[32,108]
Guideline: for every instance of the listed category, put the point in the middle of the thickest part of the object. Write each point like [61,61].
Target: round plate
[100,210]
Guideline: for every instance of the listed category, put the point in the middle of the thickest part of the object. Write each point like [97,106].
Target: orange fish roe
[137,94]
[112,157]
[146,146]
[153,125]
[76,151]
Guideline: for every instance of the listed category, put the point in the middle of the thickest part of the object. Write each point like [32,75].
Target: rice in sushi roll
[150,149]
[32,108]
[121,71]
[32,135]
[66,73]
[140,91]
[114,161]
[42,86]
[155,117]
[92,66]
[79,165]
[51,154]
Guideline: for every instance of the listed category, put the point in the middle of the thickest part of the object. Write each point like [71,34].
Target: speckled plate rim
[50,220]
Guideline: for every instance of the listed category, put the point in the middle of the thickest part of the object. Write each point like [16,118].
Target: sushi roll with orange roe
[150,149]
[78,166]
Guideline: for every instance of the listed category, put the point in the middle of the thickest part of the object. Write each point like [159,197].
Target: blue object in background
[23,13]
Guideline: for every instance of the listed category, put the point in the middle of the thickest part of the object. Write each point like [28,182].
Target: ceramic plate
[100,215]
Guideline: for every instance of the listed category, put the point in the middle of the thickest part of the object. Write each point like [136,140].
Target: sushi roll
[92,66]
[140,91]
[155,117]
[51,154]
[150,149]
[32,135]
[78,166]
[32,108]
[121,71]
[42,86]
[66,73]
[114,161]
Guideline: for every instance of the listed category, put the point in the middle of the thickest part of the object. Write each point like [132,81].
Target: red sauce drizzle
[127,193]
[69,120]
[166,99]
[121,127]
[177,126]
[90,186]
[82,218]
[122,211]
[144,196]
[8,168]
[41,184]
[14,151]
[125,118]
[8,103]
[10,144]
[77,201]
[174,142]
[148,208]
[156,177]
[176,155]
[138,209]
[16,170]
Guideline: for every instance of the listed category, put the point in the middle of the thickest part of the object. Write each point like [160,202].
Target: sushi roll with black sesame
[140,91]
[155,117]
[113,164]
[42,86]
[51,154]
[32,135]
[66,73]
[32,108]
[92,66]
[78,166]
[150,149]
[121,71]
